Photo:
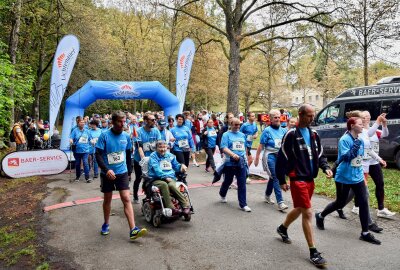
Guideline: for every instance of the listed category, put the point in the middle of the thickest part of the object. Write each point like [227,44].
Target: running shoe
[234,186]
[385,213]
[135,201]
[137,232]
[95,176]
[246,209]
[341,214]
[269,200]
[105,229]
[318,260]
[248,180]
[282,206]
[355,210]
[207,170]
[284,235]
[224,200]
[369,237]
[374,228]
[320,221]
[77,180]
[88,180]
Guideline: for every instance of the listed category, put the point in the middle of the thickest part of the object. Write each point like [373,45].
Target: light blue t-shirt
[271,138]
[114,148]
[307,139]
[236,142]
[148,140]
[81,139]
[95,136]
[249,130]
[188,123]
[211,137]
[183,139]
[161,167]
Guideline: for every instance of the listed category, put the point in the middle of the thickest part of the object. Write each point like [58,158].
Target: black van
[384,97]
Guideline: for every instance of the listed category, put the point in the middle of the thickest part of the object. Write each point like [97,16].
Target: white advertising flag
[183,68]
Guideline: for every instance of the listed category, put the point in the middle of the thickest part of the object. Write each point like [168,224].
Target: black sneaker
[319,221]
[341,214]
[88,180]
[284,235]
[370,238]
[374,228]
[96,176]
[318,260]
[77,179]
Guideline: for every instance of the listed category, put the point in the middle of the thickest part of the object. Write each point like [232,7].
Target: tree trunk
[171,54]
[39,78]
[365,54]
[234,75]
[13,45]
[365,44]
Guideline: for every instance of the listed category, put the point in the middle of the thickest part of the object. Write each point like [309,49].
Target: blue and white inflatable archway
[93,90]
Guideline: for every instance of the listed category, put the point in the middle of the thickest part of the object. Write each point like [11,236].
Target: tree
[237,16]
[373,23]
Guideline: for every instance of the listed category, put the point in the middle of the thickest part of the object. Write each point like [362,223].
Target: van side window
[392,108]
[374,108]
[329,115]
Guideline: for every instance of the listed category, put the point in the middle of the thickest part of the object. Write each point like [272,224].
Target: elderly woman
[350,176]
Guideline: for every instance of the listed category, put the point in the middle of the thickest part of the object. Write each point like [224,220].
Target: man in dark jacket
[299,158]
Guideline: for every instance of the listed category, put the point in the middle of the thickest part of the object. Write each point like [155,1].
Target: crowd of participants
[288,148]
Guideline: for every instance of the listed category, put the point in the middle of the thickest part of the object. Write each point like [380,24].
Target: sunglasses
[153,119]
[236,125]
[171,120]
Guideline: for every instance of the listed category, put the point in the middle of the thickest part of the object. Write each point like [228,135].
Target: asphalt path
[219,236]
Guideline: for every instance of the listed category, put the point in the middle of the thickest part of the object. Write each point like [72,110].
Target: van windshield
[329,115]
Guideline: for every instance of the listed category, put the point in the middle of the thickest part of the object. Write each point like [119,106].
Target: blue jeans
[273,183]
[241,175]
[78,158]
[95,165]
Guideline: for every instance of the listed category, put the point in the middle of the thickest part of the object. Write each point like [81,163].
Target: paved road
[220,236]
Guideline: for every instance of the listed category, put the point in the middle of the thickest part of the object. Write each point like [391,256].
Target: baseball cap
[162,123]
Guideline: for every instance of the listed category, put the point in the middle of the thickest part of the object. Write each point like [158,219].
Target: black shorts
[248,149]
[120,183]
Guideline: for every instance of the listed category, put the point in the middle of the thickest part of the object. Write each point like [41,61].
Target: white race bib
[278,143]
[249,138]
[165,165]
[83,139]
[212,133]
[356,162]
[238,146]
[367,154]
[183,143]
[115,158]
[94,140]
[375,147]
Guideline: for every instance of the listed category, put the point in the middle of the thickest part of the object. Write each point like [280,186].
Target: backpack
[12,137]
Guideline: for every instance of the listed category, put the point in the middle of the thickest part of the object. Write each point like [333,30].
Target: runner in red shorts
[299,158]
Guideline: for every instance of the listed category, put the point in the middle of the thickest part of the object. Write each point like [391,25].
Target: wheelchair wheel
[156,221]
[148,212]
[187,217]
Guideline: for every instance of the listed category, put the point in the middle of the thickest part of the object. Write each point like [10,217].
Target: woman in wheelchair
[162,168]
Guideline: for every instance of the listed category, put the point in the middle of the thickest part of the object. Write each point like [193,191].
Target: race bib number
[238,146]
[375,147]
[278,143]
[183,143]
[309,152]
[115,158]
[83,139]
[94,140]
[367,154]
[165,165]
[249,138]
[356,162]
[212,133]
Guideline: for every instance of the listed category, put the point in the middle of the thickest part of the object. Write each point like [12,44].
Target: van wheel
[397,159]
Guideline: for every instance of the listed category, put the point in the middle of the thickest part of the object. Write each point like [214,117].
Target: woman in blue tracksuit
[183,141]
[350,175]
[210,140]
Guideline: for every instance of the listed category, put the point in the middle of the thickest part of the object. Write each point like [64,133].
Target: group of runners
[293,152]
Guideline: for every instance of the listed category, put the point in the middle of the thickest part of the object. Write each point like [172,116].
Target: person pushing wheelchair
[162,168]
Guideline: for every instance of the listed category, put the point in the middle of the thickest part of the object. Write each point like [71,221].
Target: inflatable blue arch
[76,104]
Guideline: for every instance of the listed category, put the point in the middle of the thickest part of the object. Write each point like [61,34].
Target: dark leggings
[210,158]
[182,157]
[376,174]
[342,193]
[138,178]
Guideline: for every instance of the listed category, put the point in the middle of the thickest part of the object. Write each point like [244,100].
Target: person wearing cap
[166,135]
[104,126]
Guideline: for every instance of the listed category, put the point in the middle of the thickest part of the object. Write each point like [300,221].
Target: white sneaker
[224,200]
[246,209]
[282,206]
[234,186]
[385,213]
[355,210]
[248,180]
[269,200]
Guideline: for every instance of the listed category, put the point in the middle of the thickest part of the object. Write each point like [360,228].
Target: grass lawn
[324,186]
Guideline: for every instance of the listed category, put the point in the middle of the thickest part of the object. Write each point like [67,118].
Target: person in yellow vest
[19,136]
